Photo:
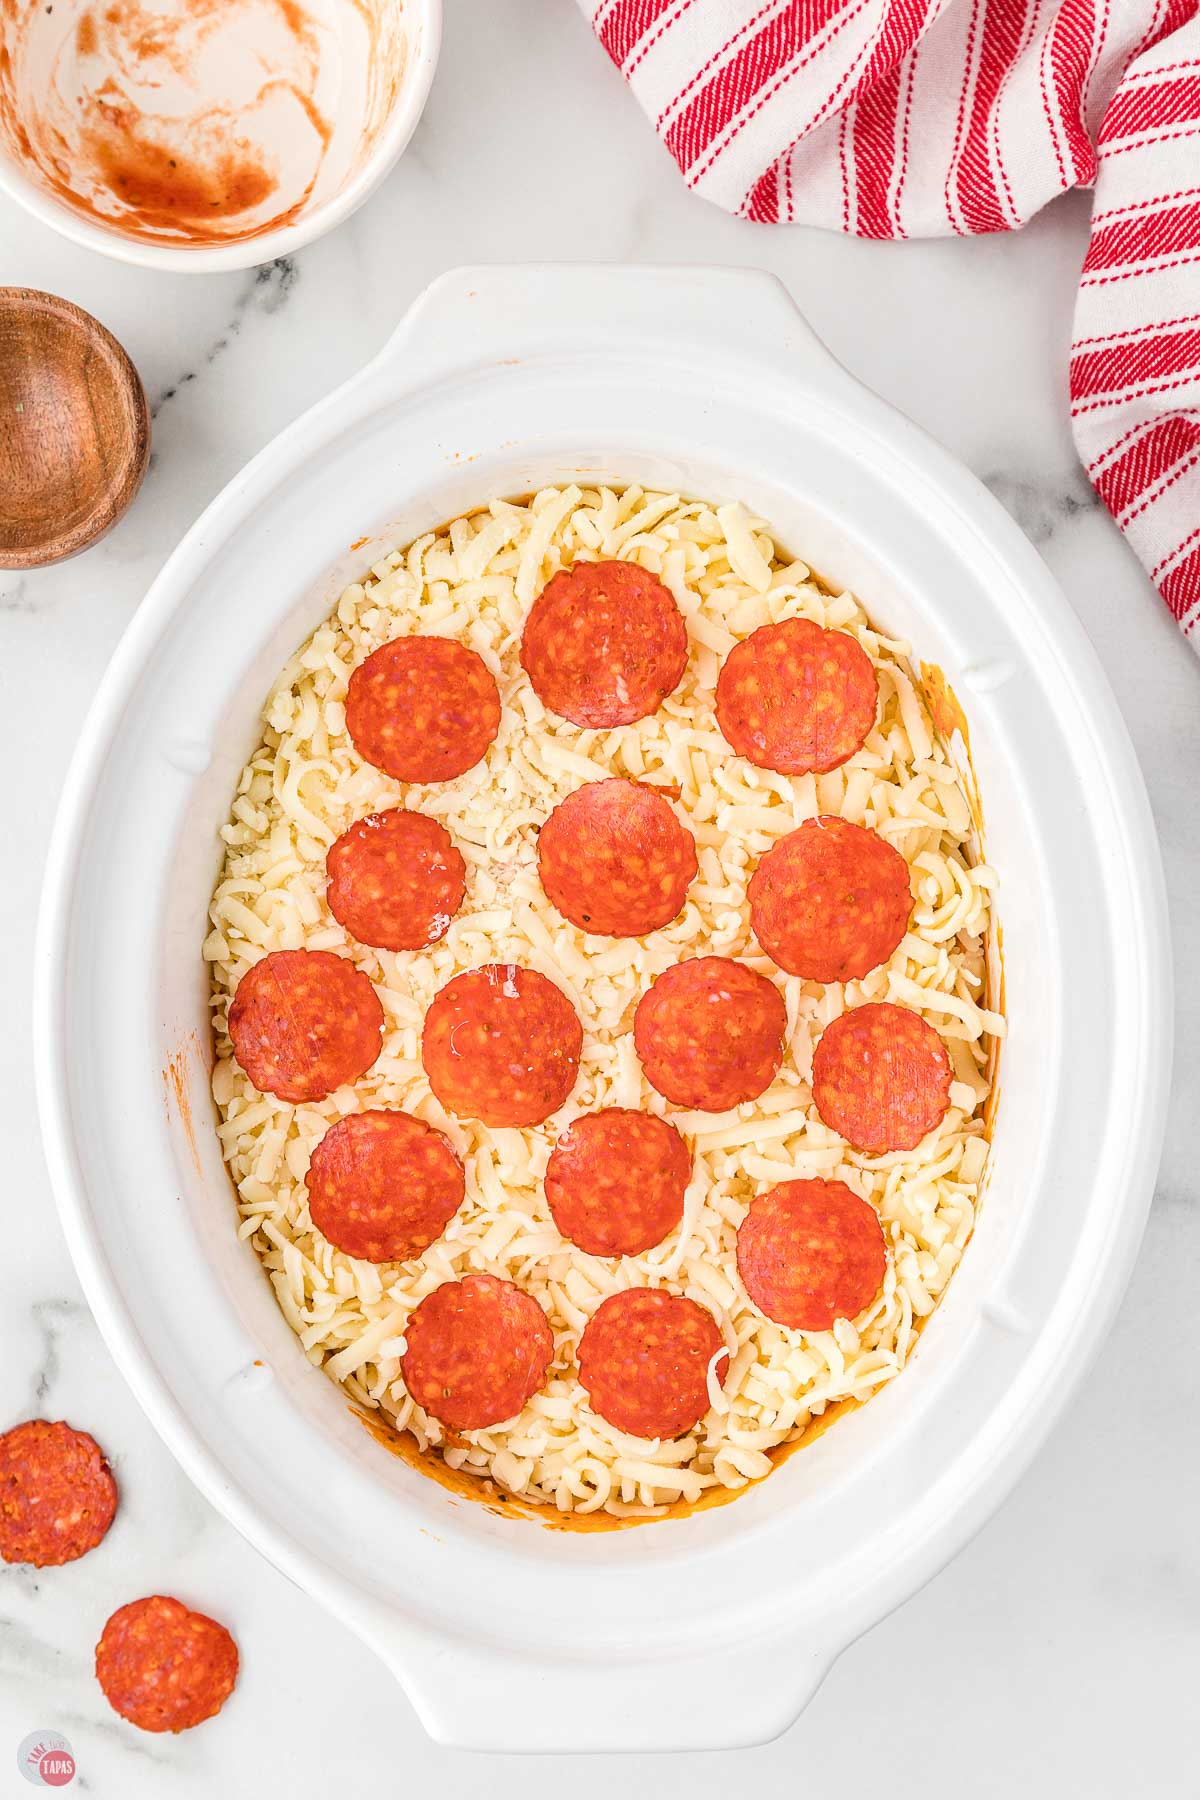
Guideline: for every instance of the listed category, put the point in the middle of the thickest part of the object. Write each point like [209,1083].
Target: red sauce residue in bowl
[201,121]
[173,191]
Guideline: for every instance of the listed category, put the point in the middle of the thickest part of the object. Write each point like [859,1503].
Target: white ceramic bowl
[712,1630]
[390,120]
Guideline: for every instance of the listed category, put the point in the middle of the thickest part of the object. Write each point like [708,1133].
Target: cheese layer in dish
[475,582]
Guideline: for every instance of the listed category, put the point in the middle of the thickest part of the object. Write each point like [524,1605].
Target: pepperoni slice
[810,1252]
[796,698]
[477,1350]
[57,1494]
[422,709]
[501,1044]
[881,1078]
[304,1022]
[604,644]
[644,1358]
[395,880]
[616,1180]
[164,1667]
[383,1185]
[615,860]
[709,1033]
[830,901]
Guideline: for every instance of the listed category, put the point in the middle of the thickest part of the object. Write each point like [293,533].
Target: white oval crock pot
[710,1631]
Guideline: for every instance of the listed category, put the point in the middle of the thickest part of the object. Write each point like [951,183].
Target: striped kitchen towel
[909,118]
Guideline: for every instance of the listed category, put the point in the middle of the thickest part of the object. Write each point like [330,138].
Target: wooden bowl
[74,429]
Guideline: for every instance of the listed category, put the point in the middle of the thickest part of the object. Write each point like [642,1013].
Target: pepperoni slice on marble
[305,1022]
[616,1181]
[604,644]
[644,1358]
[57,1493]
[164,1667]
[881,1078]
[831,901]
[709,1033]
[423,709]
[383,1186]
[797,698]
[615,860]
[501,1044]
[395,880]
[476,1351]
[810,1252]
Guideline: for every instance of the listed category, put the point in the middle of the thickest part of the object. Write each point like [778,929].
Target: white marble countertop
[1059,1652]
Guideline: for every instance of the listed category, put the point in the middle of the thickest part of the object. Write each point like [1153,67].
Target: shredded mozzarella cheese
[306,783]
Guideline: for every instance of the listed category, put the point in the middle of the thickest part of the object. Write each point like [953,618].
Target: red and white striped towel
[910,118]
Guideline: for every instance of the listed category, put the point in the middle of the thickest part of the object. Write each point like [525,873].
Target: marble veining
[264,290]
[1043,505]
[1057,1655]
[50,1319]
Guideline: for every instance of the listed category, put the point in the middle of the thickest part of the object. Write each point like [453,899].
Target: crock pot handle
[470,1696]
[481,315]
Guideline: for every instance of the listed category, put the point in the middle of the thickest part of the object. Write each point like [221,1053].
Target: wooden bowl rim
[133,447]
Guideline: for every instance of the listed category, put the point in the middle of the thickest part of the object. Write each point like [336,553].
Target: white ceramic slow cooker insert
[504,1634]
